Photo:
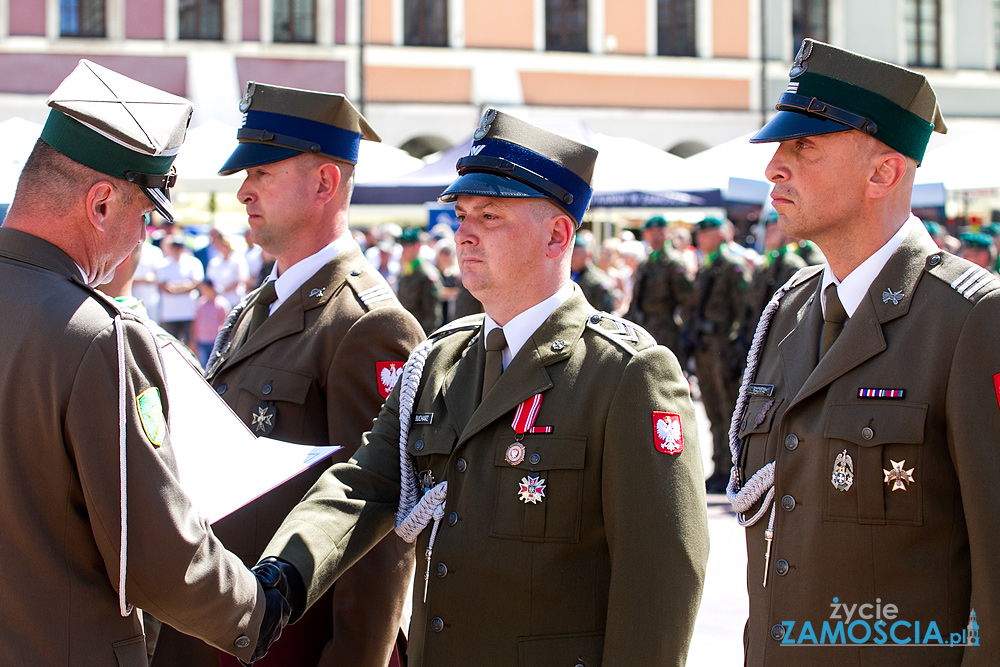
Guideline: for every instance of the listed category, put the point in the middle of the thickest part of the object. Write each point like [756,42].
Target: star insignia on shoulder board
[889,295]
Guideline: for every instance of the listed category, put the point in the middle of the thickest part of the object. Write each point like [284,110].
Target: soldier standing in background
[597,286]
[419,287]
[779,263]
[714,332]
[662,289]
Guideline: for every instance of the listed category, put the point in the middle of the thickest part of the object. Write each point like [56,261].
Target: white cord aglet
[427,571]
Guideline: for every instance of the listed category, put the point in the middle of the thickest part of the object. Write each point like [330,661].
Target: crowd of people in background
[697,289]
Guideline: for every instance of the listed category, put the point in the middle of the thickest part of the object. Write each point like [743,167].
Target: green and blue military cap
[279,123]
[657,221]
[833,90]
[710,222]
[119,127]
[979,240]
[512,158]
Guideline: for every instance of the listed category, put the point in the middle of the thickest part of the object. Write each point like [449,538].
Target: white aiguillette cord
[761,484]
[123,605]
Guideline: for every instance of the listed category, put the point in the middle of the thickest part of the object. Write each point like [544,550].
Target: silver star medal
[843,472]
[888,295]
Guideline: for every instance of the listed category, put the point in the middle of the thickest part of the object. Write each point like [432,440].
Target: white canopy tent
[17,136]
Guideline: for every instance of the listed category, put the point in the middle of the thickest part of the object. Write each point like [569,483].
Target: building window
[81,18]
[200,19]
[675,27]
[923,33]
[996,33]
[566,25]
[425,23]
[809,19]
[295,21]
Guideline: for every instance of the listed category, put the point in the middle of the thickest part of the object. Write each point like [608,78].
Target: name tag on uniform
[760,389]
[423,418]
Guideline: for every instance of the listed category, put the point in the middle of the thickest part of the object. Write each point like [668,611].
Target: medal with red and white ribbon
[524,422]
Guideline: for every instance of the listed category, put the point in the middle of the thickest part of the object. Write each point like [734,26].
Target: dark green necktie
[833,319]
[495,344]
[262,306]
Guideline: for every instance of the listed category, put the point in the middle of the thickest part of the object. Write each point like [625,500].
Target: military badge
[486,125]
[760,389]
[532,490]
[889,295]
[799,67]
[525,416]
[387,375]
[515,453]
[897,476]
[150,411]
[318,292]
[247,97]
[880,393]
[843,472]
[262,419]
[667,433]
[558,344]
[762,415]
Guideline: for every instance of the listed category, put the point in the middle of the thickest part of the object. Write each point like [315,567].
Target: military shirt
[597,288]
[719,306]
[663,289]
[885,462]
[587,572]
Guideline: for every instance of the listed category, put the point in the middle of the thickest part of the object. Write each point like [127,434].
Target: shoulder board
[970,280]
[804,274]
[467,323]
[370,286]
[624,334]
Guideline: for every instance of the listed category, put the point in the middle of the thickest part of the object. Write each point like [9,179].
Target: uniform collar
[522,325]
[294,276]
[855,286]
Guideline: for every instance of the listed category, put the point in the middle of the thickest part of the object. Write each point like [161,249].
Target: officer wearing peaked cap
[543,457]
[864,437]
[309,358]
[94,521]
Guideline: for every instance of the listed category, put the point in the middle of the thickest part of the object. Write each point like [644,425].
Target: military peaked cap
[279,123]
[119,127]
[832,90]
[512,158]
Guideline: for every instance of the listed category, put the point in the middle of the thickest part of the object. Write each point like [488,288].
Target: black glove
[284,595]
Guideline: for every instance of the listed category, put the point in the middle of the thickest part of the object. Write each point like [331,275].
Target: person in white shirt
[178,280]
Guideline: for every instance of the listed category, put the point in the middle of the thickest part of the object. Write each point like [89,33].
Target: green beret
[655,222]
[708,223]
[933,228]
[409,236]
[581,241]
[991,228]
[832,90]
[770,218]
[119,127]
[975,240]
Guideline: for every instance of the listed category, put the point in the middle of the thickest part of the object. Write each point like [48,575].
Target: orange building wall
[506,25]
[730,35]
[547,88]
[379,20]
[413,84]
[626,20]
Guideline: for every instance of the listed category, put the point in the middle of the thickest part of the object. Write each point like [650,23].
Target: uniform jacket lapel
[527,373]
[862,337]
[290,317]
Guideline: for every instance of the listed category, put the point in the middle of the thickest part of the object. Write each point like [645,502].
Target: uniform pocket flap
[575,649]
[759,414]
[426,440]
[877,423]
[542,452]
[131,652]
[276,384]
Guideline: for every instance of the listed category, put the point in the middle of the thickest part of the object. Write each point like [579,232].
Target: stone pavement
[718,631]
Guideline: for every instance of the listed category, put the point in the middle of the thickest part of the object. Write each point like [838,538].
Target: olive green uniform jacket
[607,569]
[663,289]
[598,288]
[931,550]
[60,484]
[419,291]
[319,361]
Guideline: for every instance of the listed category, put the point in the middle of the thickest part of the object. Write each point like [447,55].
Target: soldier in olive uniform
[309,358]
[978,248]
[714,332]
[562,515]
[596,285]
[867,426]
[419,286]
[663,289]
[779,264]
[94,520]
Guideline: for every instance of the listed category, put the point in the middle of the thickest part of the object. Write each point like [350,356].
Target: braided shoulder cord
[762,481]
[414,514]
[225,333]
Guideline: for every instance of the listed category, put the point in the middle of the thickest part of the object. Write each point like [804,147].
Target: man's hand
[283,588]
